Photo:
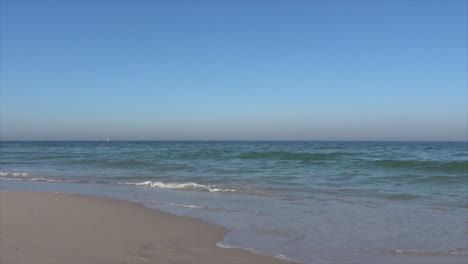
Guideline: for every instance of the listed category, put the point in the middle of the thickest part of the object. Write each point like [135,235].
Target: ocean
[313,202]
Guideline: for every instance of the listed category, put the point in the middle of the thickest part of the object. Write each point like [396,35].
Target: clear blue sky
[234,70]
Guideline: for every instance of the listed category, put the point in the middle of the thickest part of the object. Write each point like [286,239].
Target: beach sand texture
[67,228]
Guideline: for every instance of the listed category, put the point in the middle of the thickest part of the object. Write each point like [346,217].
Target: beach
[310,202]
[38,227]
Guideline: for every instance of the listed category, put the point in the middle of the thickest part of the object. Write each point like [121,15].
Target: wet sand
[68,228]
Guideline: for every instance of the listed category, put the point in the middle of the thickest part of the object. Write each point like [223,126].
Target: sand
[68,228]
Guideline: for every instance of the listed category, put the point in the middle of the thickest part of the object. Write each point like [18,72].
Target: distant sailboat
[107,139]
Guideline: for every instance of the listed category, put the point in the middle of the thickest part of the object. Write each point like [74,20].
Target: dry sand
[67,228]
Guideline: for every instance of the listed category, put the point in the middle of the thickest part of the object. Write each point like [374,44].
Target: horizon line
[230,140]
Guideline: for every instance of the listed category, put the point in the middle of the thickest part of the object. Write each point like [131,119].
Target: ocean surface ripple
[315,202]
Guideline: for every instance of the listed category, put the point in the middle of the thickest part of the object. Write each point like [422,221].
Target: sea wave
[180,186]
[439,179]
[38,179]
[449,166]
[10,179]
[300,156]
[13,174]
[47,180]
[177,204]
[400,196]
[104,163]
[420,252]
[152,184]
[421,178]
[196,206]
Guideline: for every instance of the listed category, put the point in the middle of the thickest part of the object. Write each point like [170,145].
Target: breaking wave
[180,186]
[13,174]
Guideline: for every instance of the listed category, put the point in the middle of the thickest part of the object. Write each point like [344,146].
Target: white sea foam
[454,251]
[13,174]
[18,177]
[222,245]
[10,179]
[180,186]
[176,204]
[47,180]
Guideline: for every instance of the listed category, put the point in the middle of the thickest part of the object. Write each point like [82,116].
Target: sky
[234,70]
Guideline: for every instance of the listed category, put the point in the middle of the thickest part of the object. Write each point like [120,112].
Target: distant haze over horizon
[231,140]
[219,70]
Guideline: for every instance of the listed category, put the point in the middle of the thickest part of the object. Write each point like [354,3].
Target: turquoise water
[315,202]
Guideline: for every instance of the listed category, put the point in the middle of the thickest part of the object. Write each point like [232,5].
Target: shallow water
[316,202]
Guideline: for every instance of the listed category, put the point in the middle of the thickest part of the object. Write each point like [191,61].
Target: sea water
[314,202]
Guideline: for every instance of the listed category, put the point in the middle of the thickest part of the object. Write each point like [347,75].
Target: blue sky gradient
[234,70]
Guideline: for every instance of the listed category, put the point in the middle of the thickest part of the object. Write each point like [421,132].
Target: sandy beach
[67,228]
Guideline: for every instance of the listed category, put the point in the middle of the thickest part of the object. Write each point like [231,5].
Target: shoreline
[41,227]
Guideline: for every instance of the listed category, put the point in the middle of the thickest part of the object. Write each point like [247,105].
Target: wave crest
[13,174]
[299,156]
[442,166]
[420,252]
[180,186]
